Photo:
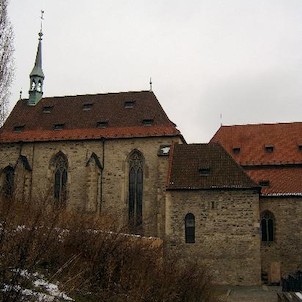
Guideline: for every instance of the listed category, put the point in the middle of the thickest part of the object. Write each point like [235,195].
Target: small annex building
[271,154]
[212,213]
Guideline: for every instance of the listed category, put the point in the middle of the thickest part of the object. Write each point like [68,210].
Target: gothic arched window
[267,226]
[136,176]
[8,184]
[190,228]
[60,177]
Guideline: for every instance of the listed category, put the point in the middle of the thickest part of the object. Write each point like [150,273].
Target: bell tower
[37,75]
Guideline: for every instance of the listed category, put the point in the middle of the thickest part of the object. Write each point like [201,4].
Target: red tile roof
[268,152]
[205,166]
[80,121]
[282,180]
[285,138]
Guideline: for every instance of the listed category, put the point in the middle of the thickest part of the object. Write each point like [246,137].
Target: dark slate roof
[268,152]
[205,166]
[111,115]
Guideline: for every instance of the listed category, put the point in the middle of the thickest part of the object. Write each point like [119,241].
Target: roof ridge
[259,124]
[96,94]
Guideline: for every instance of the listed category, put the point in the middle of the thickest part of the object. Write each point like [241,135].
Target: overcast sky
[211,61]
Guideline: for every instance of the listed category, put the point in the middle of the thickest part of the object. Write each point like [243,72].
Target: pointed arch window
[267,227]
[8,185]
[136,177]
[60,177]
[33,85]
[39,88]
[190,228]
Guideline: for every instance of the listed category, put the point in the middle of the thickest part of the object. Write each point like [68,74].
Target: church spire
[37,75]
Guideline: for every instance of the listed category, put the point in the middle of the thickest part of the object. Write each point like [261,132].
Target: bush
[89,258]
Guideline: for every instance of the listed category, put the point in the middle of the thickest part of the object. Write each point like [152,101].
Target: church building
[119,154]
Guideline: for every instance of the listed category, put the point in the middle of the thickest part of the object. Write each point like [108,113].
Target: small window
[58,126]
[267,226]
[204,171]
[164,150]
[190,228]
[269,148]
[87,106]
[264,183]
[102,124]
[300,147]
[47,109]
[236,150]
[148,122]
[129,104]
[214,205]
[19,129]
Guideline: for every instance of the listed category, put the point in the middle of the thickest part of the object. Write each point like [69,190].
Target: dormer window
[87,106]
[102,124]
[148,122]
[269,148]
[164,150]
[264,183]
[58,126]
[236,150]
[19,128]
[129,104]
[47,109]
[204,171]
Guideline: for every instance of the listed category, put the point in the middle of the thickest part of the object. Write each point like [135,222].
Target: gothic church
[118,153]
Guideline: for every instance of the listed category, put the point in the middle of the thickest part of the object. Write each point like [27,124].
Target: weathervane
[42,18]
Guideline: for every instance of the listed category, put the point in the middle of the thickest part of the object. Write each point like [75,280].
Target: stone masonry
[227,232]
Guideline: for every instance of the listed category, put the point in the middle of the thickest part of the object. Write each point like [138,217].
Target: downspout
[103,163]
[32,171]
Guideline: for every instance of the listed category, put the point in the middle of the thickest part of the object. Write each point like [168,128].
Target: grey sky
[238,58]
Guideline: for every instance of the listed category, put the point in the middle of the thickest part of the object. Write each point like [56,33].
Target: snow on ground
[42,290]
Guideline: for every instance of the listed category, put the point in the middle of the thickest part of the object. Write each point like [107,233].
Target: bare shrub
[89,257]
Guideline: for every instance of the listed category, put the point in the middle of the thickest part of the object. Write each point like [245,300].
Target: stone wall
[91,188]
[227,232]
[287,245]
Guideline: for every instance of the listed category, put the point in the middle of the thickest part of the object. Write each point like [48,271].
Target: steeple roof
[36,77]
[37,70]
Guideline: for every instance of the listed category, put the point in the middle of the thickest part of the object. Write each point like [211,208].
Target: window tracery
[8,185]
[136,175]
[60,177]
[267,226]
